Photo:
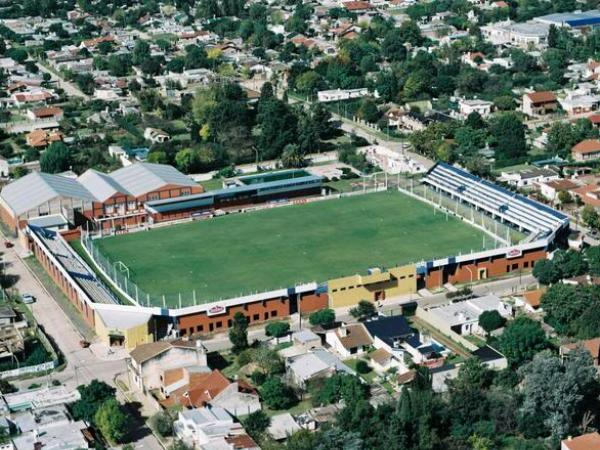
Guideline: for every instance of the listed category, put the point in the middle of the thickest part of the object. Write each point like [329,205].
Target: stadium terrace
[71,225]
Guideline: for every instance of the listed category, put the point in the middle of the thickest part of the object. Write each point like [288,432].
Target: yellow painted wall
[348,291]
[134,336]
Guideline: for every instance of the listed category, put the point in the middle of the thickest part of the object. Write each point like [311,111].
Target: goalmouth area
[274,248]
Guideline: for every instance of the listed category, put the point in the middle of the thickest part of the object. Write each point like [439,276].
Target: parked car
[27,298]
[8,244]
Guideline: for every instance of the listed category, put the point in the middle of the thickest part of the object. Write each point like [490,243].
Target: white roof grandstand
[145,177]
[514,208]
[38,188]
[102,185]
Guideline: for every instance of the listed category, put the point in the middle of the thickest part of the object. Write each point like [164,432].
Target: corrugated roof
[141,178]
[103,186]
[38,188]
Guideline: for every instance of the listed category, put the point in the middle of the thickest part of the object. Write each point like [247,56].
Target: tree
[338,387]
[277,329]
[268,360]
[278,127]
[162,422]
[277,395]
[392,47]
[368,111]
[186,160]
[362,366]
[590,217]
[256,424]
[292,157]
[238,334]
[554,391]
[569,263]
[363,311]
[324,317]
[57,158]
[491,320]
[564,304]
[564,197]
[521,340]
[508,135]
[336,439]
[92,396]
[546,272]
[112,420]
[593,258]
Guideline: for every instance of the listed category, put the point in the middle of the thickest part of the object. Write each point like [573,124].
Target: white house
[529,177]
[211,428]
[148,361]
[336,95]
[155,135]
[349,340]
[482,107]
[463,317]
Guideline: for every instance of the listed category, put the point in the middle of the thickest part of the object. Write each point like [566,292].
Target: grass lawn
[278,247]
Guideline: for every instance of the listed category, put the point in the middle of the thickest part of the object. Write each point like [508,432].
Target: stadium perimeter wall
[347,291]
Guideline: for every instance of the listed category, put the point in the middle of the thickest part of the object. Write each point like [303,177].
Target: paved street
[82,365]
[70,88]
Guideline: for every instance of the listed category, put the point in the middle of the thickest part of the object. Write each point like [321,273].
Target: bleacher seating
[71,262]
[520,211]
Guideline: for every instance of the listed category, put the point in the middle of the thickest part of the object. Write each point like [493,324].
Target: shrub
[362,366]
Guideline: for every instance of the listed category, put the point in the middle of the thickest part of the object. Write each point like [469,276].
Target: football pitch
[269,249]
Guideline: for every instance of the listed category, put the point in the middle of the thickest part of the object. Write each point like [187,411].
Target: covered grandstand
[538,220]
[78,270]
[251,189]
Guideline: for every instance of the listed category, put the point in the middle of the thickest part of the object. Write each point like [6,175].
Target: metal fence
[117,272]
[503,234]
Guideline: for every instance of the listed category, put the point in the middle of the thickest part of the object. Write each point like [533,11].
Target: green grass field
[269,249]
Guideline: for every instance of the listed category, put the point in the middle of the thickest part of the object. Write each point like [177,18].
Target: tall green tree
[521,340]
[238,333]
[112,420]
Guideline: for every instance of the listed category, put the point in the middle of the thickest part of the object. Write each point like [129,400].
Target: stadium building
[121,315]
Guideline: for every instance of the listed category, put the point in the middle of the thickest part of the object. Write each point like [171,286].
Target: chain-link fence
[505,234]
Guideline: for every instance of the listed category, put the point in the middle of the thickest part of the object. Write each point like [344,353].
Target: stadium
[277,244]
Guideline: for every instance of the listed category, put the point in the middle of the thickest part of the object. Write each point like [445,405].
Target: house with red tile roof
[586,150]
[590,441]
[539,103]
[194,388]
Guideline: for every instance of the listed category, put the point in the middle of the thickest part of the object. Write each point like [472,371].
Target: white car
[27,298]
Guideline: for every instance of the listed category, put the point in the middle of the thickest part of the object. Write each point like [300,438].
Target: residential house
[481,107]
[48,113]
[148,362]
[462,317]
[530,300]
[43,138]
[591,345]
[318,363]
[12,332]
[195,387]
[349,340]
[551,189]
[586,150]
[590,441]
[211,428]
[539,103]
[306,339]
[50,428]
[394,335]
[282,426]
[523,35]
[336,95]
[357,6]
[528,177]
[155,135]
[580,101]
